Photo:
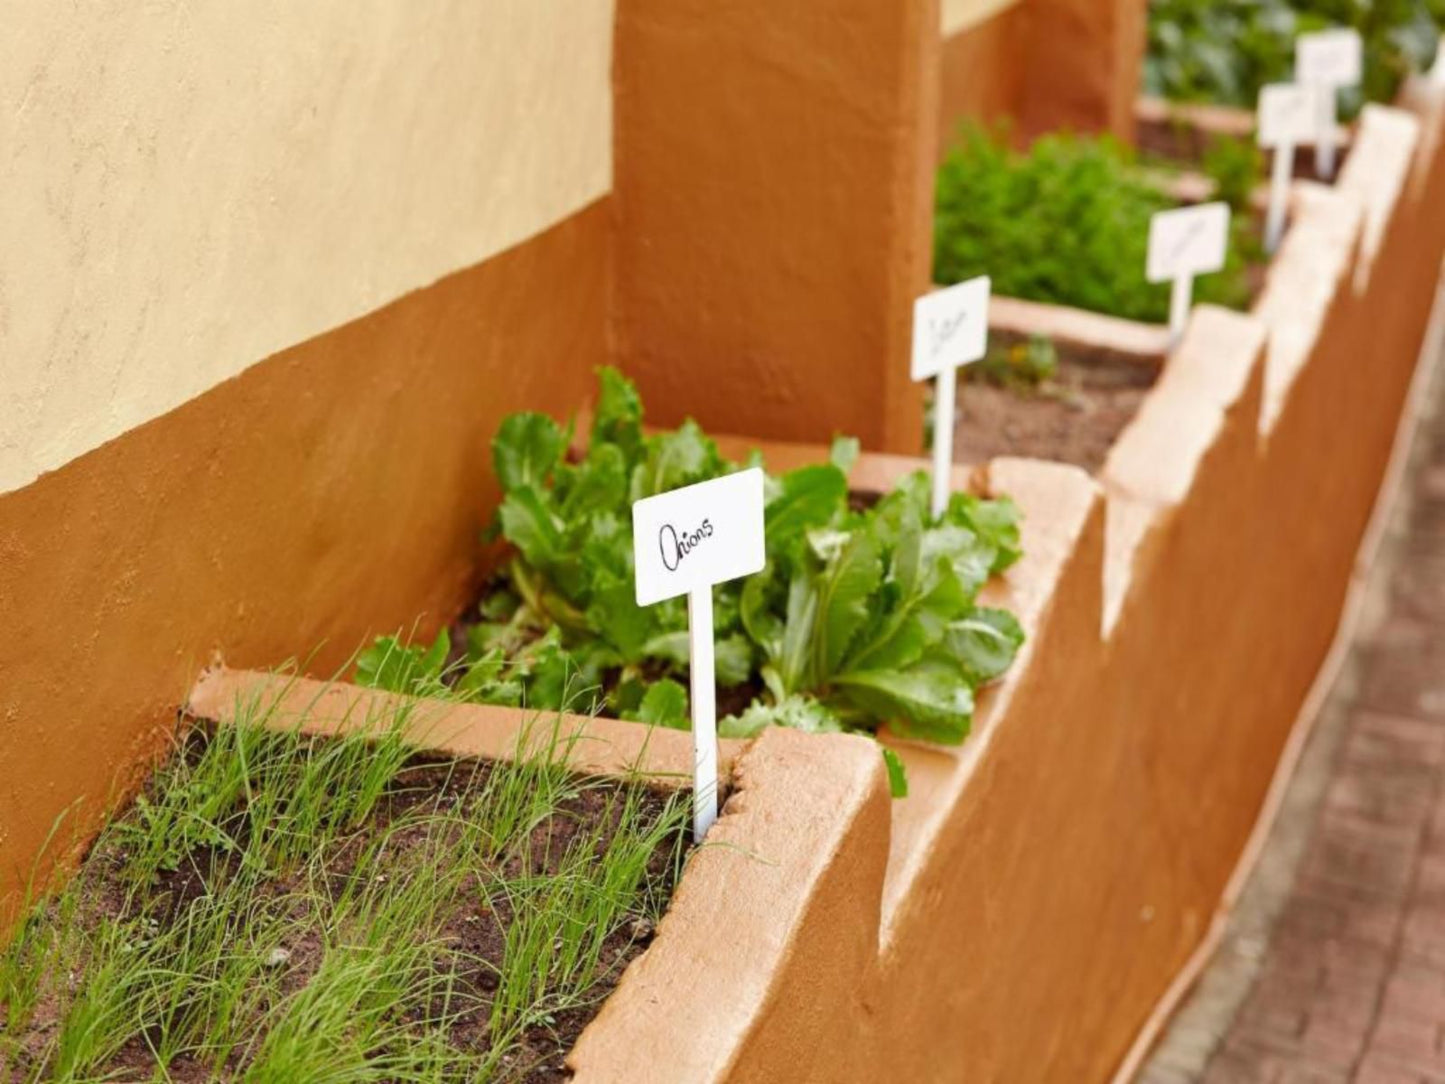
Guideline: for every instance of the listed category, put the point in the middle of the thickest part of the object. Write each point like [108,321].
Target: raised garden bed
[1077,331]
[283,906]
[1050,399]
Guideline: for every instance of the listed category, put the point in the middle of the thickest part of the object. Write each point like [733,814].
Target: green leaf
[618,417]
[434,659]
[733,659]
[798,712]
[526,449]
[676,459]
[970,557]
[529,525]
[732,655]
[664,704]
[598,485]
[985,643]
[807,498]
[759,620]
[897,773]
[996,522]
[930,700]
[411,668]
[615,616]
[844,589]
[799,628]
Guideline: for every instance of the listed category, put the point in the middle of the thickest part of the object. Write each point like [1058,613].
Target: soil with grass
[465,924]
[1073,417]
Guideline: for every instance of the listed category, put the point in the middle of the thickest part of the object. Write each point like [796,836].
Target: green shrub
[1224,50]
[1067,223]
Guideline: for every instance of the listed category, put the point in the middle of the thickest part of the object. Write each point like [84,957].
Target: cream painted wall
[189,187]
[959,15]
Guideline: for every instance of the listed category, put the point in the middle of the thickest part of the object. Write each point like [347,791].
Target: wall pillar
[773,200]
[1085,58]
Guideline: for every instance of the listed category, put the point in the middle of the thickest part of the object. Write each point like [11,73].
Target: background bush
[1067,223]
[1225,50]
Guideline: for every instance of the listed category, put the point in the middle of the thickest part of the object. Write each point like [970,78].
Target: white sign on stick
[1185,242]
[683,542]
[1288,115]
[1329,60]
[950,328]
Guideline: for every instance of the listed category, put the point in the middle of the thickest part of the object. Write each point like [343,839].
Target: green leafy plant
[861,617]
[1224,50]
[1067,222]
[1235,166]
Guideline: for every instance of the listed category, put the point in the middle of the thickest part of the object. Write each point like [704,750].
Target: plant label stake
[1328,60]
[1185,242]
[683,542]
[950,328]
[1287,117]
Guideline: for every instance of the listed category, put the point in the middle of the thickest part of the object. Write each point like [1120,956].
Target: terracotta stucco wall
[1042,65]
[272,276]
[773,200]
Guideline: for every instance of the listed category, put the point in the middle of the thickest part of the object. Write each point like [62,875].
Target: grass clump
[1066,222]
[283,908]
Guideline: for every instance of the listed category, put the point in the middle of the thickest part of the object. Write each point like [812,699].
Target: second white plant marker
[1328,60]
[950,328]
[1185,242]
[1287,117]
[683,542]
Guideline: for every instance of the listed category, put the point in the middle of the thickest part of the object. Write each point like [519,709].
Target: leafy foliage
[1225,50]
[1235,166]
[1067,223]
[860,617]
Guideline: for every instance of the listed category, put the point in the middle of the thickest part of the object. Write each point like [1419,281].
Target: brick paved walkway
[1333,968]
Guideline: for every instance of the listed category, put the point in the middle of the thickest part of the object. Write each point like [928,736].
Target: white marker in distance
[1185,242]
[1328,60]
[1288,116]
[950,329]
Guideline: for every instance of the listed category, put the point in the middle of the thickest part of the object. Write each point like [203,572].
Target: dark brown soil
[475,935]
[1073,418]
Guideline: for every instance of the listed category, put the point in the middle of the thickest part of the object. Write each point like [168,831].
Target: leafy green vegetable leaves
[859,618]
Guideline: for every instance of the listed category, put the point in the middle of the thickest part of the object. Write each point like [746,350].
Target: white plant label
[1328,59]
[697,536]
[683,542]
[1185,242]
[1288,116]
[950,328]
